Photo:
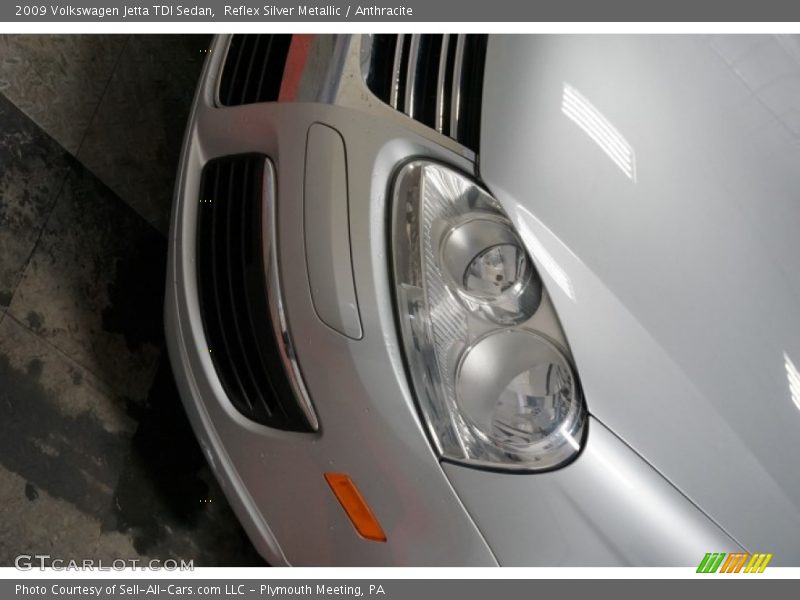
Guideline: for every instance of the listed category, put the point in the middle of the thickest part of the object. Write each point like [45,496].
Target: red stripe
[295,63]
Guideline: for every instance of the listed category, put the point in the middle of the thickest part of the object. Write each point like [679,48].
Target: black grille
[253,69]
[435,79]
[231,279]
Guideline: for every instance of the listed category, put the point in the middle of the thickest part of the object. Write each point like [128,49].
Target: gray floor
[96,457]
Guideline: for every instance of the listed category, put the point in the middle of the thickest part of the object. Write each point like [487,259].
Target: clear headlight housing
[488,360]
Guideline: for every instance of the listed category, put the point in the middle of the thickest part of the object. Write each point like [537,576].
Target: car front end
[357,289]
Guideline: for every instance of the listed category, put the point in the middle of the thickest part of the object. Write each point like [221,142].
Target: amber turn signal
[355,506]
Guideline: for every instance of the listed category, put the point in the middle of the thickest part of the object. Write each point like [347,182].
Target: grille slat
[442,83]
[231,71]
[262,77]
[383,80]
[471,87]
[455,89]
[409,106]
[427,79]
[397,65]
[434,79]
[232,289]
[247,82]
[253,69]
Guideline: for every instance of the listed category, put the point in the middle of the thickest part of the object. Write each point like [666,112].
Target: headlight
[488,361]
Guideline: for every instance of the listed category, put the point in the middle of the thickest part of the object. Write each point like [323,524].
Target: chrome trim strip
[398,60]
[440,77]
[411,74]
[455,96]
[283,337]
[218,78]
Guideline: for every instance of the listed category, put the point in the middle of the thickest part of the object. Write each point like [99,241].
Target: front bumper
[369,427]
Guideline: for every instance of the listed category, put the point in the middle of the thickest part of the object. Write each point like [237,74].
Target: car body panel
[635,517]
[677,281]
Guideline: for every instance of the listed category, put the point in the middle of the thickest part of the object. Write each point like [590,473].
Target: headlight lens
[487,267]
[487,357]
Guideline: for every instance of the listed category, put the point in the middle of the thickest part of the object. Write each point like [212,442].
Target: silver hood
[656,183]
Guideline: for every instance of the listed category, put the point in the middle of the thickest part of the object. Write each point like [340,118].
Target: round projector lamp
[489,270]
[518,391]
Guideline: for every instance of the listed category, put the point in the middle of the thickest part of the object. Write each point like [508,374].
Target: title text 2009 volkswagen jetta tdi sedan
[469,300]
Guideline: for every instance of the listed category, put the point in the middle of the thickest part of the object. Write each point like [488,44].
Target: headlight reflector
[517,389]
[487,358]
[487,267]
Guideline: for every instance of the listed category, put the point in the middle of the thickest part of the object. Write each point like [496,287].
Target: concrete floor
[97,459]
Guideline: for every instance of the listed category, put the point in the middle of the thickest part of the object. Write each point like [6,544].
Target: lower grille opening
[234,306]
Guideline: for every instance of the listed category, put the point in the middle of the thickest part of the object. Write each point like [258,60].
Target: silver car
[516,300]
